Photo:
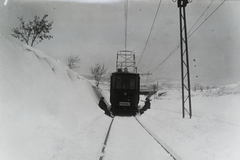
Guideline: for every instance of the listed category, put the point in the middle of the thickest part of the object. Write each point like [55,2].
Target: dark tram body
[124,93]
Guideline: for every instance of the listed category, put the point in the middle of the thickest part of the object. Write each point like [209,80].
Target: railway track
[128,138]
[156,139]
[105,141]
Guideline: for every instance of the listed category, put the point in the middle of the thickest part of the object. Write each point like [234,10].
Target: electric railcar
[124,93]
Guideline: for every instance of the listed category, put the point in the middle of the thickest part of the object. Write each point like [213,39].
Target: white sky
[81,1]
[95,32]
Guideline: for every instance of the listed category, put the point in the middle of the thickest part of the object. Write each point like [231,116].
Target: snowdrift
[223,90]
[43,105]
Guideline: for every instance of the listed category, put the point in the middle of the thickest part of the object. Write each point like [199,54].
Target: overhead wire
[200,16]
[207,18]
[159,4]
[169,55]
[176,48]
[189,35]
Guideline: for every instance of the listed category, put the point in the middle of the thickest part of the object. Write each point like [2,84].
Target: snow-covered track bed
[105,141]
[127,139]
[158,141]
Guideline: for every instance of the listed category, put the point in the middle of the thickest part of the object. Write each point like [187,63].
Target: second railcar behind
[124,93]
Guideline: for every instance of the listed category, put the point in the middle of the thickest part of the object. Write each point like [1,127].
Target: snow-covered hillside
[43,106]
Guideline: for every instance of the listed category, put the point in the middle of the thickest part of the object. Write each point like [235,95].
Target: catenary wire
[176,48]
[207,18]
[150,31]
[200,16]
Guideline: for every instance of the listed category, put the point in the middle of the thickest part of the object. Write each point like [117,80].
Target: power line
[150,31]
[207,18]
[175,49]
[200,16]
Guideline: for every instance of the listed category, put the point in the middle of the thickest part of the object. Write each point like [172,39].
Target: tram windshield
[125,82]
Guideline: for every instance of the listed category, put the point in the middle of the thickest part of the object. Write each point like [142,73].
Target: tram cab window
[125,82]
[132,83]
[118,82]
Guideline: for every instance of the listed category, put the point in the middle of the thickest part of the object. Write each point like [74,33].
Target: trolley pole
[185,73]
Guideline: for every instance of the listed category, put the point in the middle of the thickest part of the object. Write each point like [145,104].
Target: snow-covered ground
[48,112]
[129,140]
[213,133]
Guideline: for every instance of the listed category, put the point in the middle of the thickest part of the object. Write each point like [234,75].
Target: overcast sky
[95,32]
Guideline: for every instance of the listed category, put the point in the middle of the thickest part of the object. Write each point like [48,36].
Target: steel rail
[165,148]
[105,141]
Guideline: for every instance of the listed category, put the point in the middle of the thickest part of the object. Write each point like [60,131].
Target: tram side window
[118,82]
[125,82]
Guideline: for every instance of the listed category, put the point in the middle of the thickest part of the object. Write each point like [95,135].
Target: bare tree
[33,32]
[73,61]
[98,71]
[108,77]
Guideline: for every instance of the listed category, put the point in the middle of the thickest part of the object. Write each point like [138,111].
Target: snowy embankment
[46,110]
[213,133]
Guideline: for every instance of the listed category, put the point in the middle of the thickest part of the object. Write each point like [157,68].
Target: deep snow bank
[42,103]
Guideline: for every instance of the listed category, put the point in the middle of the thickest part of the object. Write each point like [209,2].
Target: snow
[213,131]
[47,111]
[129,140]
